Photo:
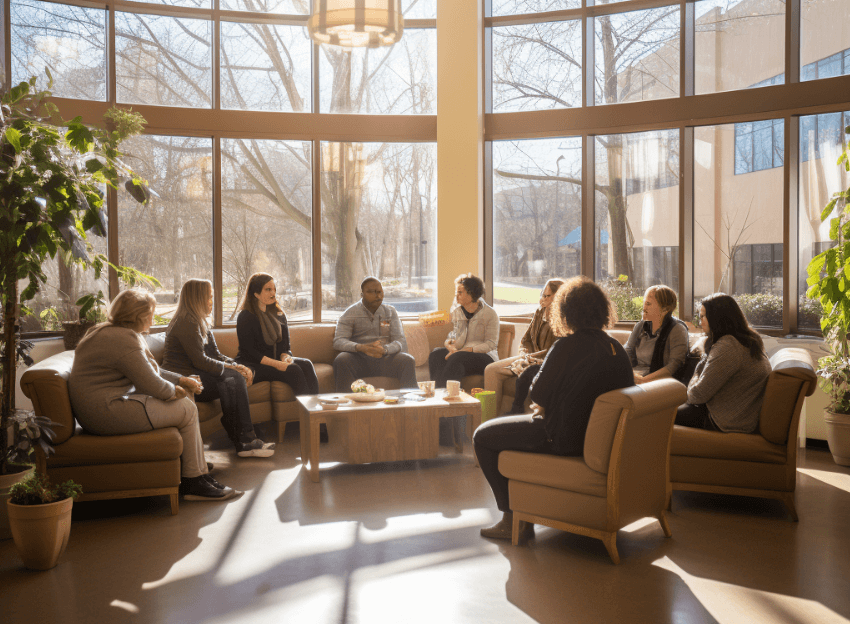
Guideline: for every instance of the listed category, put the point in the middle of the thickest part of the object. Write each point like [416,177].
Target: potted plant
[91,313]
[829,282]
[40,518]
[50,197]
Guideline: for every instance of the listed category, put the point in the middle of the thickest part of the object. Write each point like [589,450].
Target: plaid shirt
[359,326]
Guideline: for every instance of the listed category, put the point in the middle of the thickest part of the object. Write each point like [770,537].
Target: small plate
[366,397]
[339,400]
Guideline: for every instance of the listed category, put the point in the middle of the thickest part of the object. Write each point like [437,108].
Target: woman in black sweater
[584,363]
[190,349]
[263,335]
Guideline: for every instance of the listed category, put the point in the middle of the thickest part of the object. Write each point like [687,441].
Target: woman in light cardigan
[190,349]
[116,388]
[473,342]
[535,344]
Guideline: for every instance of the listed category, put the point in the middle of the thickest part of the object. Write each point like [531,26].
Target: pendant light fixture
[356,23]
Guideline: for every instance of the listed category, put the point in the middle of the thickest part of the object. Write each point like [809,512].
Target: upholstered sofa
[148,464]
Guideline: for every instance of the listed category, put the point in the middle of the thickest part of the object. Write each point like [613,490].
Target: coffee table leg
[475,420]
[314,450]
[304,434]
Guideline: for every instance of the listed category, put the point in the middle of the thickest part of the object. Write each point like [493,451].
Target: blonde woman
[190,349]
[116,388]
[658,345]
[535,344]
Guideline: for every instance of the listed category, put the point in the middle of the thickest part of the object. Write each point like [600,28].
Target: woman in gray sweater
[116,388]
[190,349]
[658,345]
[727,389]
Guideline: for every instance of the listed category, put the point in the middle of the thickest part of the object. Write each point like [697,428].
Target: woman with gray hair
[117,388]
[190,349]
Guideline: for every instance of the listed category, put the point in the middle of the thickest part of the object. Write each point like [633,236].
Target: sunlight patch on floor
[637,525]
[401,527]
[731,604]
[126,606]
[835,479]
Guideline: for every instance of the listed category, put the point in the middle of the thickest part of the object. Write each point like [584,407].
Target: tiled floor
[399,543]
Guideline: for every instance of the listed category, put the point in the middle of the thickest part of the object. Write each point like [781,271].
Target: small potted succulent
[829,282]
[40,519]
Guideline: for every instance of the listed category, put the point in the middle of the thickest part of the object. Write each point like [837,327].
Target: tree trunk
[9,354]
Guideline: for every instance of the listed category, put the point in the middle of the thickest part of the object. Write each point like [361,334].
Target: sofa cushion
[417,343]
[691,442]
[260,392]
[85,449]
[325,375]
[563,473]
[314,342]
[281,392]
[227,341]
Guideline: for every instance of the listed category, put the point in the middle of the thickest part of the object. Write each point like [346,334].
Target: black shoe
[199,489]
[219,486]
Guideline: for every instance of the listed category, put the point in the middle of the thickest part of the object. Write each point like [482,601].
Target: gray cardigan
[112,378]
[731,383]
[188,351]
[481,332]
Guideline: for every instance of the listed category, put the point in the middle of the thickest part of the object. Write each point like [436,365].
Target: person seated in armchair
[535,344]
[658,345]
[371,340]
[584,363]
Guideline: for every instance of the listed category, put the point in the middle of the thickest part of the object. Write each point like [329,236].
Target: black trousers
[523,384]
[300,375]
[508,433]
[458,366]
[231,390]
[695,416]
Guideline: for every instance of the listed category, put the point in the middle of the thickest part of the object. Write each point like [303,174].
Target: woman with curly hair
[584,363]
[474,340]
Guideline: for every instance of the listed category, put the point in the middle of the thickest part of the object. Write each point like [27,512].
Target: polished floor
[399,543]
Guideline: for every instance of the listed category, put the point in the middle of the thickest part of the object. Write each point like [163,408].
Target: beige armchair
[622,477]
[761,464]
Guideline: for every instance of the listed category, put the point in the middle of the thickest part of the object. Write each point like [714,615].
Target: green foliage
[37,490]
[51,175]
[829,283]
[627,299]
[28,431]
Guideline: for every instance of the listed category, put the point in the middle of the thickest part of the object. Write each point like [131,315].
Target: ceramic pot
[41,532]
[6,482]
[838,436]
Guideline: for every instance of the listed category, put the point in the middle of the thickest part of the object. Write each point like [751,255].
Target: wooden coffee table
[380,432]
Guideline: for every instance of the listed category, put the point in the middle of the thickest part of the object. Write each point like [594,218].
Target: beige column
[460,143]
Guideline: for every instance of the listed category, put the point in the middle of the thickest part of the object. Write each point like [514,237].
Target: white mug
[452,388]
[427,388]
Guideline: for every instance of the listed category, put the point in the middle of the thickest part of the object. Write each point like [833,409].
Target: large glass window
[69,41]
[637,55]
[738,226]
[738,44]
[536,218]
[517,7]
[637,215]
[267,222]
[379,217]
[824,39]
[169,236]
[537,66]
[400,80]
[820,178]
[163,60]
[265,67]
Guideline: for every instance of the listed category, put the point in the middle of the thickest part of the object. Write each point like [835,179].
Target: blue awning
[574,237]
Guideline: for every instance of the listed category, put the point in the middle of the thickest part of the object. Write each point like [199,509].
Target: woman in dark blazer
[264,339]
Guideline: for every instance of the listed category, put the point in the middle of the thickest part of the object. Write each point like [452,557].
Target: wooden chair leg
[788,500]
[515,530]
[610,541]
[665,526]
[175,502]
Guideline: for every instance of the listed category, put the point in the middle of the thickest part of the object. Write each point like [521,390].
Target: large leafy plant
[51,175]
[829,282]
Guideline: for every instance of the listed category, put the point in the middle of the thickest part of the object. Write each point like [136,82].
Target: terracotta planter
[41,532]
[838,436]
[6,482]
